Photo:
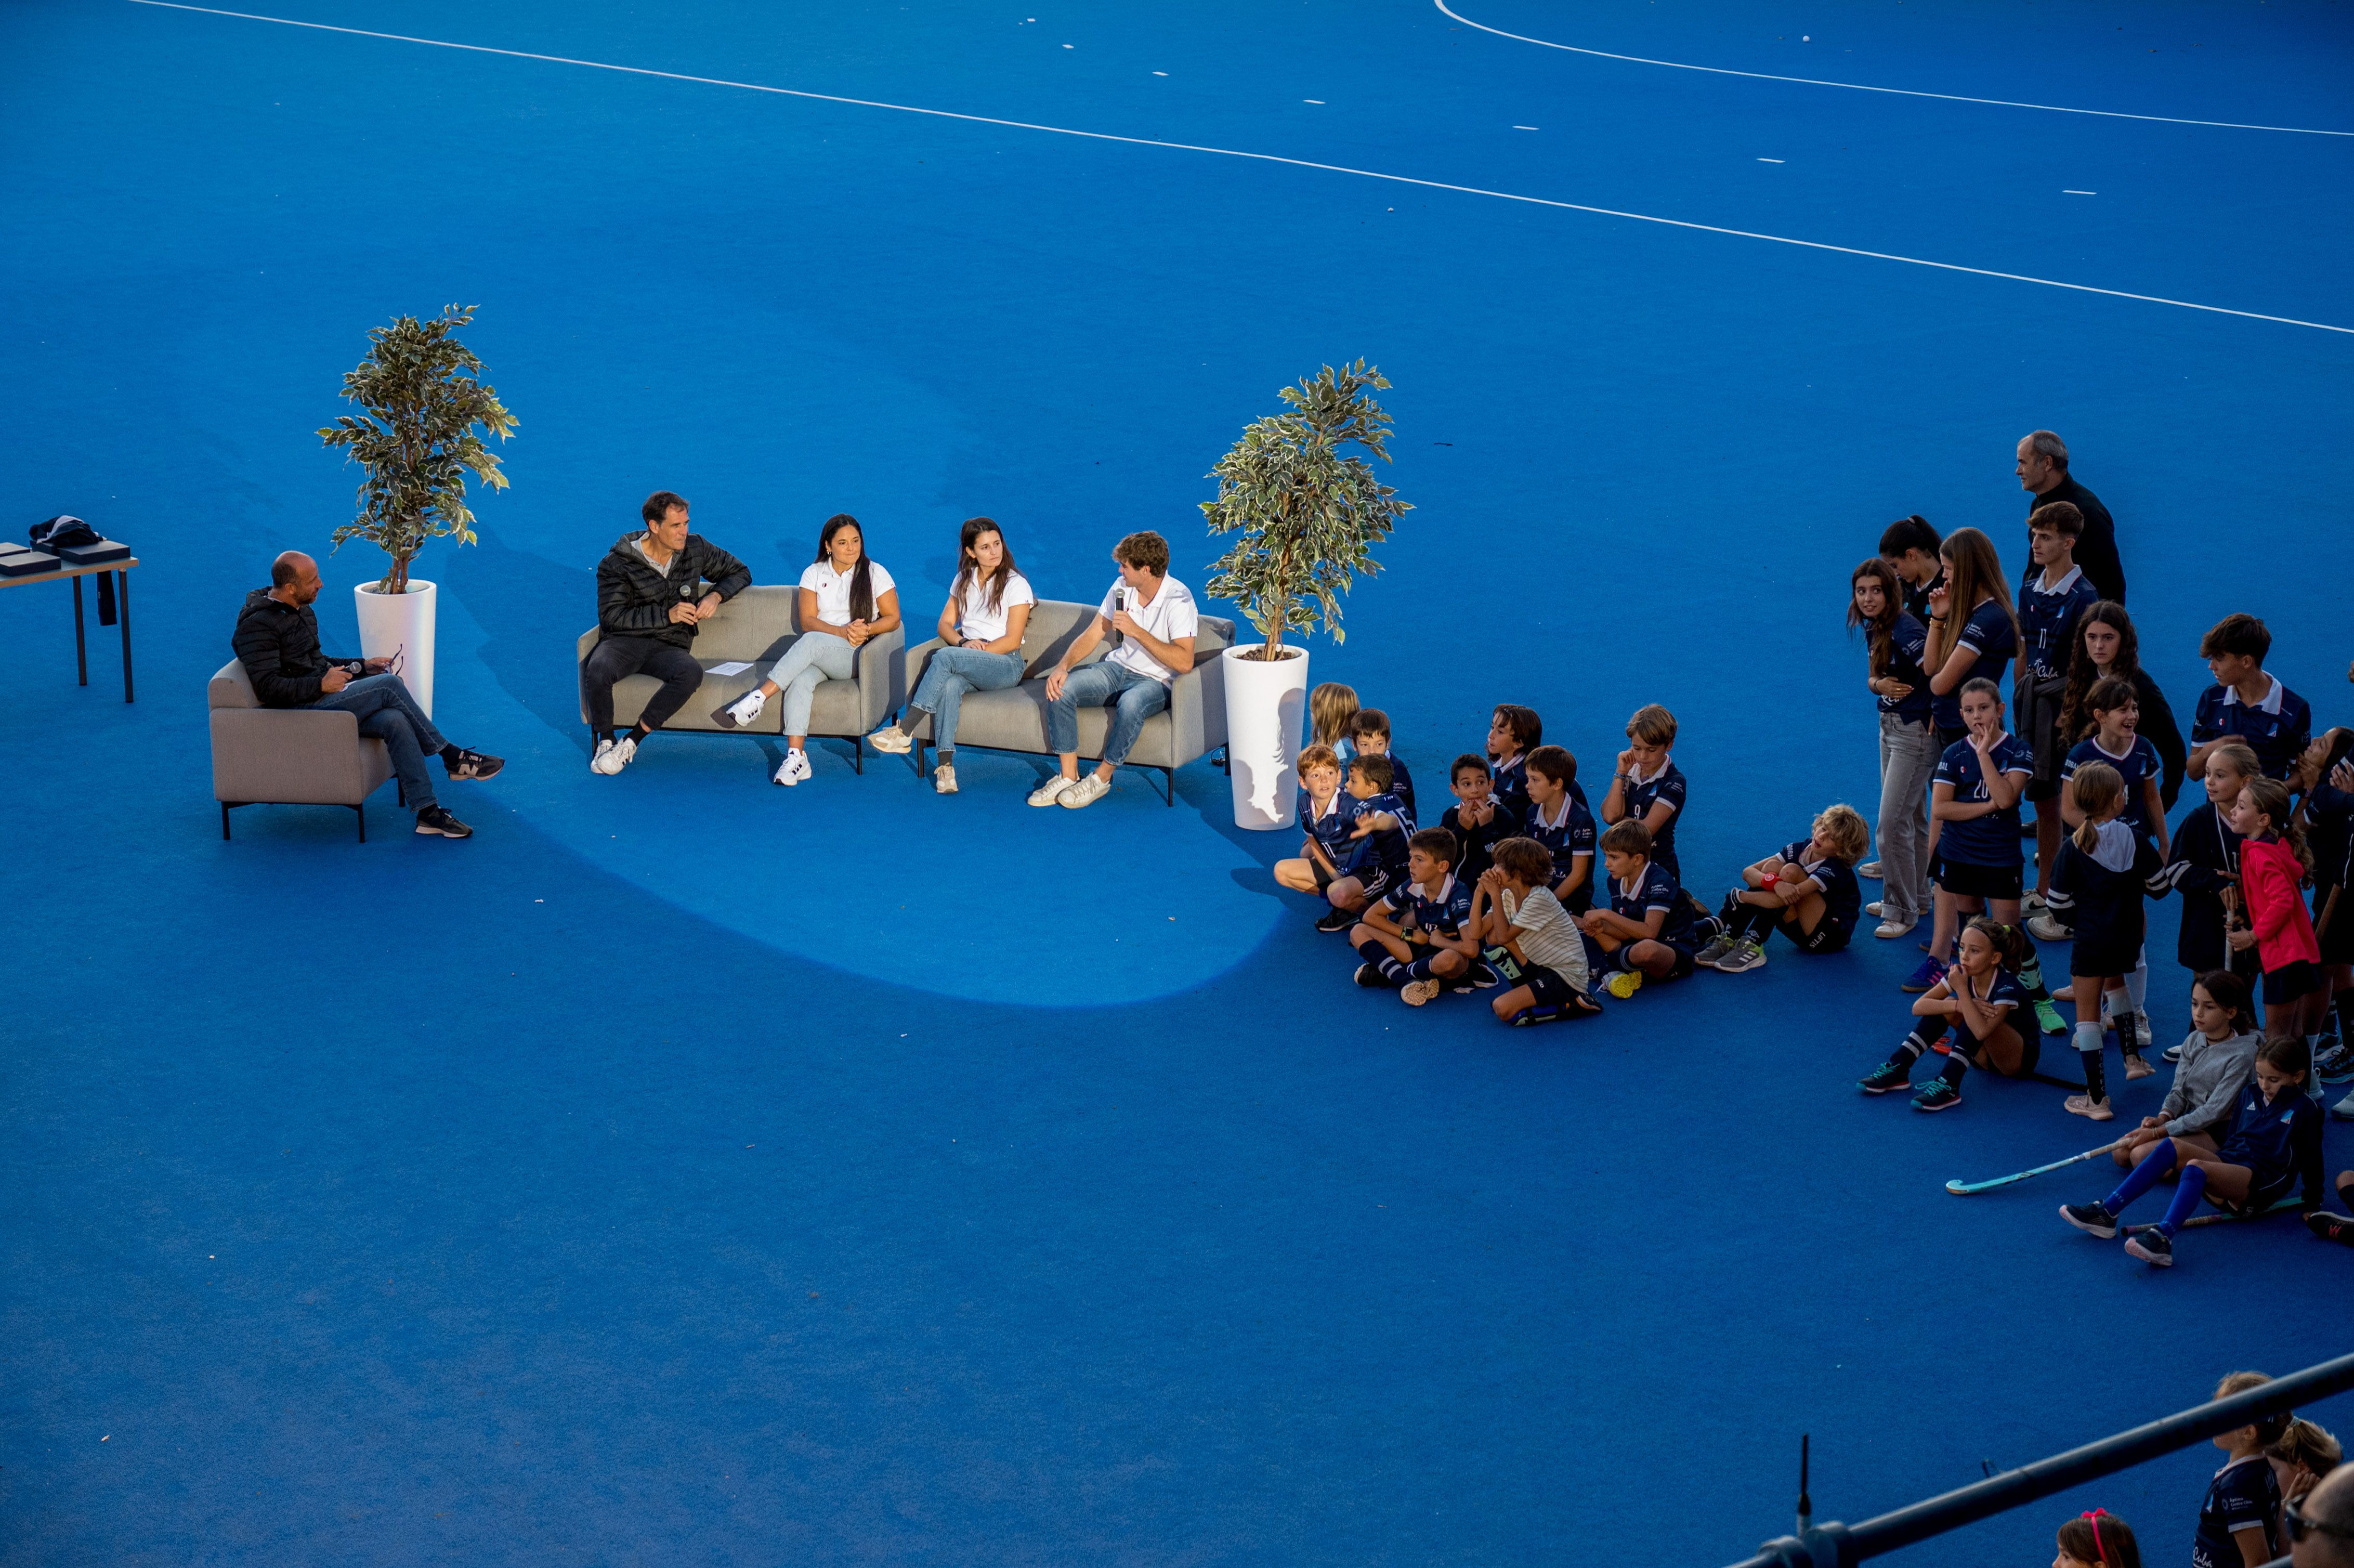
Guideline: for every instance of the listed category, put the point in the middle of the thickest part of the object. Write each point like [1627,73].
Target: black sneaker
[434,820]
[2094,1218]
[1936,1095]
[467,764]
[1888,1078]
[1483,977]
[2150,1245]
[1336,919]
[2331,1227]
[1370,977]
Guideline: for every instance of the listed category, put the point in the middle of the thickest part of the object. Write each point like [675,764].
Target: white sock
[2115,1004]
[2137,984]
[2088,1038]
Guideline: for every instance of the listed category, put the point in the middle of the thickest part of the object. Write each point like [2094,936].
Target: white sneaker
[1870,868]
[1874,907]
[612,756]
[944,779]
[1050,793]
[793,769]
[2344,1108]
[1895,926]
[893,739]
[740,712]
[1090,789]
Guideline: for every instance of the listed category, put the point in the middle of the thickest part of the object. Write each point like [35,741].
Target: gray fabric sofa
[1193,724]
[288,756]
[758,624]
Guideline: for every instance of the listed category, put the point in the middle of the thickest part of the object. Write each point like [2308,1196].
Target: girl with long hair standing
[1973,629]
[2106,645]
[987,612]
[1908,739]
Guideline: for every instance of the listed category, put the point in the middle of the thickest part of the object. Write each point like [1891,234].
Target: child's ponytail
[2271,798]
[2097,791]
[2012,949]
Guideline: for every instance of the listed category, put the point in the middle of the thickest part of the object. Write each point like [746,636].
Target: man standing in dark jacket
[2044,474]
[277,640]
[647,609]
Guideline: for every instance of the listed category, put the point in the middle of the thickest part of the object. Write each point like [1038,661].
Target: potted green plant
[417,439]
[1307,514]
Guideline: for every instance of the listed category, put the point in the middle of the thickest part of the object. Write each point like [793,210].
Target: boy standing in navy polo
[2246,704]
[2052,599]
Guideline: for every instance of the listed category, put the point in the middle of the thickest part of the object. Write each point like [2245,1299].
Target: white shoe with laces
[793,769]
[742,711]
[1870,868]
[944,779]
[612,756]
[892,739]
[1050,793]
[1895,926]
[1087,792]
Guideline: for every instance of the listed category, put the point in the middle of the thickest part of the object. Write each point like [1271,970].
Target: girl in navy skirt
[2098,882]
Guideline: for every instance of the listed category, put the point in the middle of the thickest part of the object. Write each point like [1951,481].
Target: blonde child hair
[1842,828]
[2098,792]
[1331,707]
[1318,754]
[1652,725]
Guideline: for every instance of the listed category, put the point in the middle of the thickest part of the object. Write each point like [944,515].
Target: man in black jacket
[2044,474]
[277,640]
[647,609]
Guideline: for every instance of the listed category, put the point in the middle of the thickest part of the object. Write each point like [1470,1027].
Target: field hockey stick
[2232,1217]
[1965,1188]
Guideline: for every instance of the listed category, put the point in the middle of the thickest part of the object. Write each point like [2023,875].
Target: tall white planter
[401,624]
[1266,706]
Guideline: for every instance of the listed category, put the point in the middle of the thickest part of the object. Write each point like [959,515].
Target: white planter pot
[401,624]
[1266,708]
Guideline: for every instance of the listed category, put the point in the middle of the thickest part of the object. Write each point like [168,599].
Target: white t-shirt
[1546,934]
[976,622]
[832,590]
[1169,616]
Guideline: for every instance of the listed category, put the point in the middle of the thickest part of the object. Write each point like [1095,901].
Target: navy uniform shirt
[1908,641]
[1566,841]
[1401,781]
[1384,848]
[2276,730]
[1991,840]
[2003,994]
[2138,764]
[1988,632]
[1511,784]
[1331,829]
[2245,1495]
[1655,888]
[1667,785]
[1842,894]
[1478,842]
[1443,909]
[2048,620]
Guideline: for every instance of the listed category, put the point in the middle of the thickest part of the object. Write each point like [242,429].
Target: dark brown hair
[1878,630]
[974,527]
[2076,718]
[1377,768]
[1524,860]
[1370,721]
[2229,993]
[2237,634]
[1526,727]
[1627,837]
[661,504]
[1437,842]
[1145,551]
[2062,517]
[862,582]
[2100,1537]
[1555,763]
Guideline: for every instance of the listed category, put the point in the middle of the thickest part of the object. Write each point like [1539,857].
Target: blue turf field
[688,1171]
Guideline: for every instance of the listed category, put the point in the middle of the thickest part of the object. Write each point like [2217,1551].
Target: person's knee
[1448,962]
[1502,1007]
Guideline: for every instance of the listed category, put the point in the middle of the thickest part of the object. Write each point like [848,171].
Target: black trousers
[615,658]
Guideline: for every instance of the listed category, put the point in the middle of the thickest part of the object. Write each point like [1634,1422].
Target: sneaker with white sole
[2333,1066]
[793,769]
[1715,949]
[2150,1245]
[1050,793]
[2093,1218]
[612,756]
[1747,954]
[1093,787]
[2033,903]
[2173,1052]
[434,822]
[944,779]
[2086,1106]
[2344,1108]
[1876,908]
[1413,993]
[740,712]
[1895,926]
[1371,978]
[2048,928]
[893,739]
[1870,868]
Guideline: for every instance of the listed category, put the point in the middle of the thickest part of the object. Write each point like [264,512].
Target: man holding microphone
[1154,615]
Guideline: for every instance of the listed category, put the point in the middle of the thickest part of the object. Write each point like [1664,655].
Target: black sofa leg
[225,822]
[1169,785]
[858,754]
[361,813]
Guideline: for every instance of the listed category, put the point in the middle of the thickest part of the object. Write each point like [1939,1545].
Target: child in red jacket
[2273,870]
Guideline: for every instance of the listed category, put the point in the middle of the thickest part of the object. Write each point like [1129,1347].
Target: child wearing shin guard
[2098,882]
[2271,1144]
[1414,938]
[1532,945]
[1808,892]
[1979,998]
[2274,866]
[2211,1068]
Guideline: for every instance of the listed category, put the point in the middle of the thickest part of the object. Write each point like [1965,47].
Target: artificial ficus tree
[418,438]
[1309,514]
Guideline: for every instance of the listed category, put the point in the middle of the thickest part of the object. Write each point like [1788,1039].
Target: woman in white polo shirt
[983,622]
[845,600]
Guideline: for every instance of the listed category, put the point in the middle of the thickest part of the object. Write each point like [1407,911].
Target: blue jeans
[949,676]
[1138,696]
[814,656]
[388,713]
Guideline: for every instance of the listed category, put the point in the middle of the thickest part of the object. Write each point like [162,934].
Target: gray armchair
[288,756]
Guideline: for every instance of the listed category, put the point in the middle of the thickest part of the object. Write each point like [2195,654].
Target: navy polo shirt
[2048,619]
[2137,763]
[2276,730]
[1655,889]
[1908,642]
[1443,909]
[1331,829]
[1842,894]
[1987,632]
[1991,840]
[2245,1495]
[1384,848]
[1666,785]
[1566,841]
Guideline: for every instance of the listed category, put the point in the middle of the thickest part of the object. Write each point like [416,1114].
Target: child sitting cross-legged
[1531,943]
[1646,932]
[1478,819]
[1369,730]
[1379,826]
[2211,1069]
[2272,1143]
[1808,892]
[1414,938]
[1324,823]
[1979,998]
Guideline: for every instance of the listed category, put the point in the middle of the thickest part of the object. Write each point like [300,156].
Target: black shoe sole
[424,831]
[724,716]
[1899,1087]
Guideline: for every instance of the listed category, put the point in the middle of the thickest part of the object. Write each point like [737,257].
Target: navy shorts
[1964,880]
[2290,981]
[1827,937]
[1547,985]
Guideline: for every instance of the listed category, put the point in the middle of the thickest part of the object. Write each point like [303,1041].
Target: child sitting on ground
[1369,730]
[2102,875]
[1379,826]
[2272,1143]
[1981,998]
[2246,703]
[1331,707]
[2097,1539]
[2211,1068]
[1324,823]
[1479,820]
[1414,938]
[1648,786]
[1808,892]
[1512,733]
[1532,945]
[1558,820]
[1646,931]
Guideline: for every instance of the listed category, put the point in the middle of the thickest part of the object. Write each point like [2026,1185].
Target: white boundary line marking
[1900,92]
[1262,158]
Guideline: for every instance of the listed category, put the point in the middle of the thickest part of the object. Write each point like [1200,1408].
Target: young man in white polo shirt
[1154,615]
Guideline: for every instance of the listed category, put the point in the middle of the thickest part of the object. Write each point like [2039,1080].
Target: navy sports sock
[2186,1200]
[2096,1084]
[2141,1177]
[1371,951]
[1420,968]
[1955,1065]
[1914,1046]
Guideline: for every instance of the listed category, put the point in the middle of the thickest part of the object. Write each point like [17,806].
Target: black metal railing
[1835,1545]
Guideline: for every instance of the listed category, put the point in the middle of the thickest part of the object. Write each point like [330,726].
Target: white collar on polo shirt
[2272,702]
[1445,886]
[2063,585]
[1536,813]
[1635,775]
[1331,804]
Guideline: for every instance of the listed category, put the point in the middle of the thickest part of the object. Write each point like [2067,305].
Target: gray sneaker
[1715,949]
[2344,1108]
[1747,954]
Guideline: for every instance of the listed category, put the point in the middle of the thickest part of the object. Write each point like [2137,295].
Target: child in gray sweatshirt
[2214,1065]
